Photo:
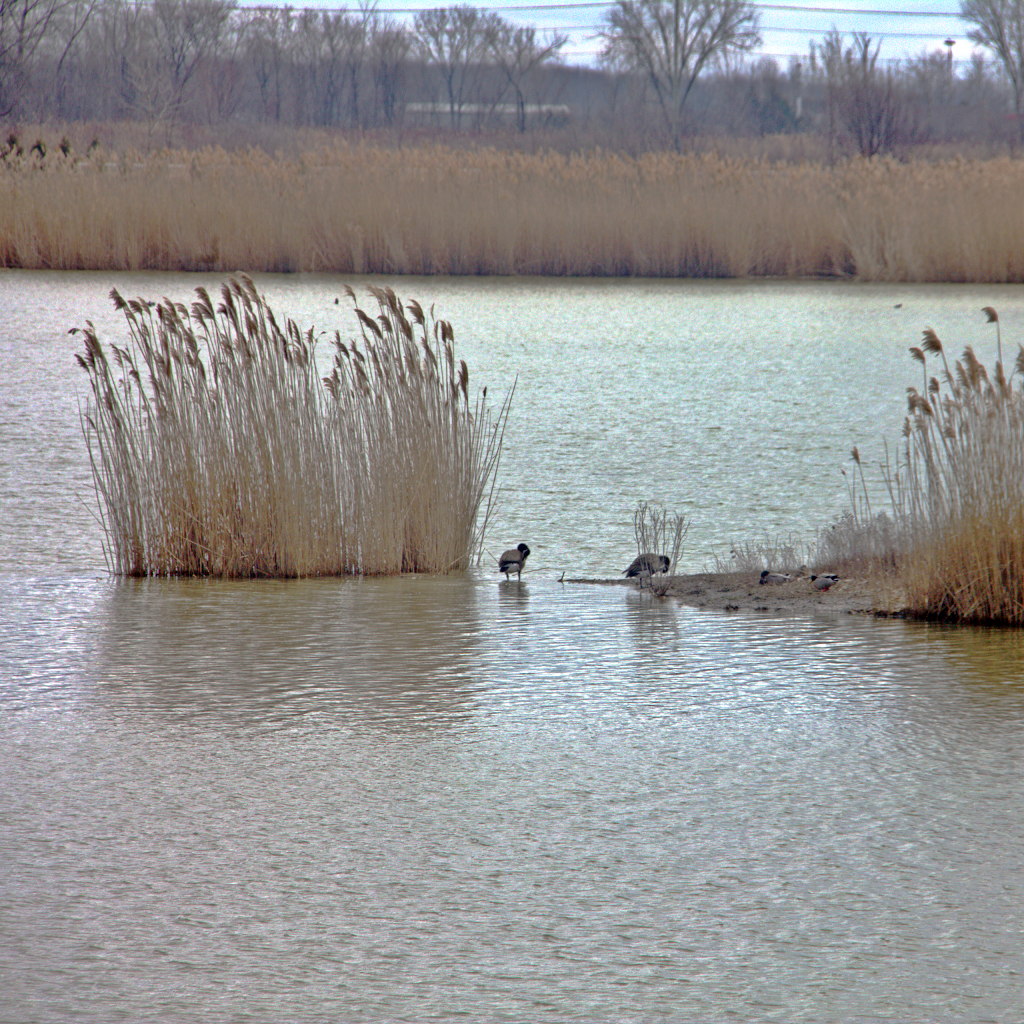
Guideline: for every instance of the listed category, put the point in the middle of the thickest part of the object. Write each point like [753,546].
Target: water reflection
[421,650]
[398,650]
[513,595]
[989,658]
[430,797]
[474,798]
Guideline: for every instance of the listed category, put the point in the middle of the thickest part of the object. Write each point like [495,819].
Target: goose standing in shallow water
[647,564]
[513,560]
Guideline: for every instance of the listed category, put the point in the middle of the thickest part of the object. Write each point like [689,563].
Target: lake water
[444,798]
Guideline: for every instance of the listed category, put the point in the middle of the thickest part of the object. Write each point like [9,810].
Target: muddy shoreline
[743,592]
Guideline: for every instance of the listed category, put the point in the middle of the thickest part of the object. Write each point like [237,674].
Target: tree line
[211,61]
[668,68]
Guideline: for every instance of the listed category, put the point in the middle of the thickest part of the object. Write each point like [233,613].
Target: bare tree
[118,35]
[456,41]
[929,80]
[24,27]
[826,62]
[269,32]
[357,40]
[985,98]
[332,50]
[765,98]
[222,75]
[187,33]
[672,43]
[865,104]
[59,58]
[388,53]
[147,90]
[339,38]
[317,51]
[518,52]
[871,102]
[999,27]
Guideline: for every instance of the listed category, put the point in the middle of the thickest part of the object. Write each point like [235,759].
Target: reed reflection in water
[376,647]
[419,798]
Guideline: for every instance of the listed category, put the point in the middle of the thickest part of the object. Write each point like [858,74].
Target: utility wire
[796,8]
[594,4]
[764,28]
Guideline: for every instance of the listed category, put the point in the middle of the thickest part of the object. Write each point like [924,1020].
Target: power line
[573,5]
[795,8]
[775,8]
[764,28]
[856,10]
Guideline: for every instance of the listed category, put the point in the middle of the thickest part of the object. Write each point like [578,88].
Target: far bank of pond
[361,209]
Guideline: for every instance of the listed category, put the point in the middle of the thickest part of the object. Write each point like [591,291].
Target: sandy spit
[743,592]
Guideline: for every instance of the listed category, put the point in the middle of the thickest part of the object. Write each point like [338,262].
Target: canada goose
[774,578]
[647,564]
[513,560]
[824,581]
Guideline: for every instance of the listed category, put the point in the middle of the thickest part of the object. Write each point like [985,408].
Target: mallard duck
[513,560]
[823,581]
[647,564]
[775,578]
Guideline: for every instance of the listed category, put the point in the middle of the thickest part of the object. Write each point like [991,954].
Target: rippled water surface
[735,403]
[454,798]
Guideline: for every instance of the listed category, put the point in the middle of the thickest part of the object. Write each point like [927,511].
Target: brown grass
[365,209]
[958,489]
[217,449]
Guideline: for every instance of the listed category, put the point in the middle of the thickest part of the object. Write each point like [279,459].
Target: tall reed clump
[364,209]
[958,491]
[218,450]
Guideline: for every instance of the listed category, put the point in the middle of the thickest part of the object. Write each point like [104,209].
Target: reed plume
[217,448]
[958,491]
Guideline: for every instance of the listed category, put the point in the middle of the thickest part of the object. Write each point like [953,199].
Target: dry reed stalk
[429,210]
[659,532]
[855,545]
[218,450]
[773,553]
[959,490]
[860,542]
[955,221]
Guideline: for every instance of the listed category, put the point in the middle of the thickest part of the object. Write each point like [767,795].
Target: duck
[775,578]
[823,581]
[513,561]
[647,564]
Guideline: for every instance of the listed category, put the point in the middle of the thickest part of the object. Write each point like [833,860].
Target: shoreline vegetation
[217,449]
[361,208]
[951,546]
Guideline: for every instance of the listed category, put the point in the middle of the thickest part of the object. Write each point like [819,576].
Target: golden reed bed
[360,209]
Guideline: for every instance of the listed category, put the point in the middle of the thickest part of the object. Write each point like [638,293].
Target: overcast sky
[788,27]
